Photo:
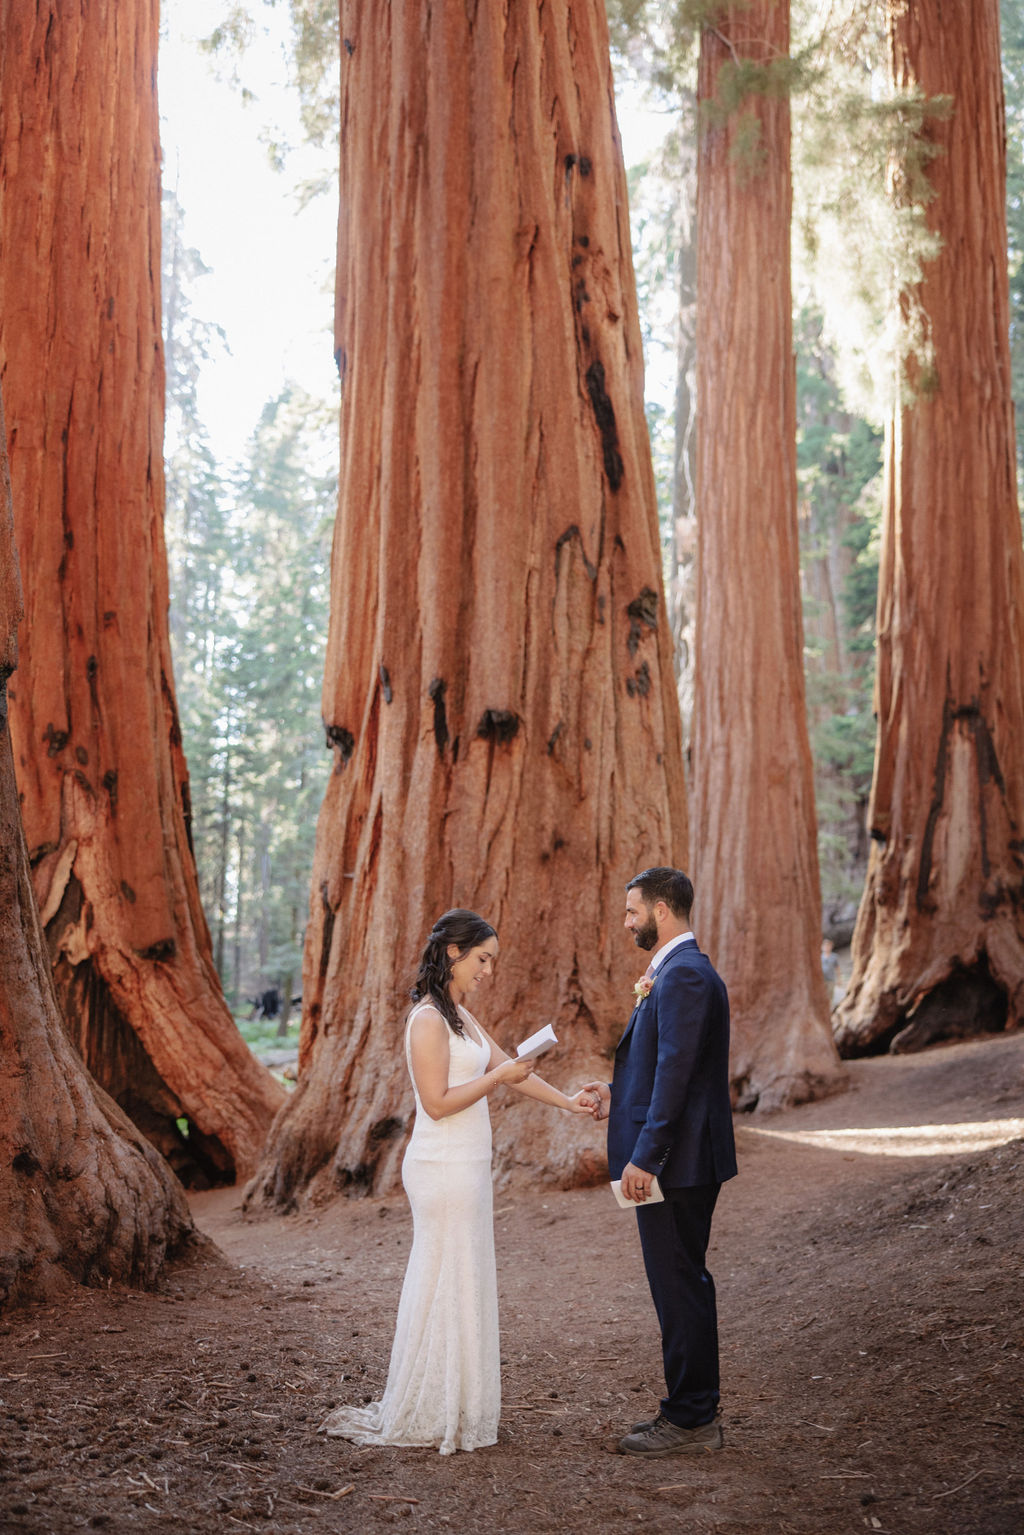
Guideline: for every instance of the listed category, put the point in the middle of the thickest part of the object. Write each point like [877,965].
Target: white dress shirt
[666,949]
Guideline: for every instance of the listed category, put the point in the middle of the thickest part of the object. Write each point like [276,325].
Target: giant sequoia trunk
[82,1195]
[102,778]
[499,687]
[938,949]
[754,837]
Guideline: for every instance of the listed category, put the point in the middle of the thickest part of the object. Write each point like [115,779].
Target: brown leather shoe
[664,1438]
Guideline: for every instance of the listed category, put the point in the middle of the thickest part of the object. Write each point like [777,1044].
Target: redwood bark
[939,945]
[754,836]
[82,1195]
[101,774]
[499,688]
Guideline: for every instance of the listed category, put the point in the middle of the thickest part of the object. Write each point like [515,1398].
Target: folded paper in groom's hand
[655,1197]
[537,1044]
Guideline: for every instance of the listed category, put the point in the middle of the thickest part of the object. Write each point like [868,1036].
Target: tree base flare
[968,1003]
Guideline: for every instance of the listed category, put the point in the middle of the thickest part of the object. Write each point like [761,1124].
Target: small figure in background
[830,968]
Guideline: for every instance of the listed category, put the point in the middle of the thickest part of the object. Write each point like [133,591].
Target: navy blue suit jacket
[670,1111]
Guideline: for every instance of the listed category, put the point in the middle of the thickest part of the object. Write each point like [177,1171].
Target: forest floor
[869,1264]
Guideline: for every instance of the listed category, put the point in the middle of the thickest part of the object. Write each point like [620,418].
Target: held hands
[584,1102]
[603,1094]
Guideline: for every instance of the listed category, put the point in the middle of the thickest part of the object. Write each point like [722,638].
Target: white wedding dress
[444,1380]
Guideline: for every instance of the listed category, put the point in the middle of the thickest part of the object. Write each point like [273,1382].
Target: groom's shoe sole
[641,1428]
[660,1438]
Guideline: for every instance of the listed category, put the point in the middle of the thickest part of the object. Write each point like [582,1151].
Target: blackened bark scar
[163,949]
[385,684]
[341,740]
[328,931]
[498,725]
[56,740]
[604,415]
[642,613]
[640,682]
[436,691]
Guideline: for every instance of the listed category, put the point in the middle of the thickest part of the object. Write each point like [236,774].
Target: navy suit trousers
[674,1237]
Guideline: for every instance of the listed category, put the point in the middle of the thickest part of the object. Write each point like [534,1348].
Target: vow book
[655,1197]
[537,1044]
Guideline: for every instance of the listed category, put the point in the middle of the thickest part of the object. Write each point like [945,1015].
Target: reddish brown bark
[938,948]
[754,835]
[499,685]
[102,777]
[82,1195]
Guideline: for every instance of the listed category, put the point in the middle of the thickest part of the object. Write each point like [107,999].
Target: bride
[444,1380]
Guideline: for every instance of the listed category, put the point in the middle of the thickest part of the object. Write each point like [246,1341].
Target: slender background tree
[754,833]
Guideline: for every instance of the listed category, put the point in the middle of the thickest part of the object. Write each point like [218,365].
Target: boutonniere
[643,988]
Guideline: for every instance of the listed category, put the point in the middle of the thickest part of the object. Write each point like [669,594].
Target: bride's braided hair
[463,929]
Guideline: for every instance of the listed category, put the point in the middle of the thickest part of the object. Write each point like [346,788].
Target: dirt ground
[868,1262]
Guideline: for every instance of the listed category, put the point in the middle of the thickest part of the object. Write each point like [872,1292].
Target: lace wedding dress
[444,1380]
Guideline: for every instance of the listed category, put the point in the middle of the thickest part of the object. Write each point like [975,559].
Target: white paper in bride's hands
[537,1044]
[655,1197]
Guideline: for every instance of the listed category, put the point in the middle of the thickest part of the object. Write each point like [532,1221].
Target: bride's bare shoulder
[425,1018]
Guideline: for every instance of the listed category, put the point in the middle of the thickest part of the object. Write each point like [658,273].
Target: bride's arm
[429,1053]
[535,1087]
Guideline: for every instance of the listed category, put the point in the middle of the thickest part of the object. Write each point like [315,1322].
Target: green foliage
[248,558]
[839,478]
[861,152]
[313,56]
[261,1034]
[654,210]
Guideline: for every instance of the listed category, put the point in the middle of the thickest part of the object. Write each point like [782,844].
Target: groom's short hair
[669,885]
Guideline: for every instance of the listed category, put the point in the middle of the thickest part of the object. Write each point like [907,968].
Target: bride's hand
[584,1102]
[513,1071]
[602,1092]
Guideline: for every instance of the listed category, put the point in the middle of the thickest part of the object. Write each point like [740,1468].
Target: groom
[669,1115]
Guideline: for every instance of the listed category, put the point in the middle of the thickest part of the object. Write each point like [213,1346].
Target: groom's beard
[647,936]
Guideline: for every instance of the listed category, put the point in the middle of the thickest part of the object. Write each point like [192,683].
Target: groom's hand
[603,1093]
[636,1183]
[584,1102]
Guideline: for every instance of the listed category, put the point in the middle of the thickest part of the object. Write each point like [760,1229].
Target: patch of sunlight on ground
[907,1140]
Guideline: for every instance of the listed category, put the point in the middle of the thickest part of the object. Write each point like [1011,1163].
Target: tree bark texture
[682,583]
[499,688]
[101,773]
[82,1194]
[753,820]
[938,946]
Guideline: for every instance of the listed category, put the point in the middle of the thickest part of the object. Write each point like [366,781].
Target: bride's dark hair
[464,929]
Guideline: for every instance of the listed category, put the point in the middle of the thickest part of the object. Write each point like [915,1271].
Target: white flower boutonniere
[643,988]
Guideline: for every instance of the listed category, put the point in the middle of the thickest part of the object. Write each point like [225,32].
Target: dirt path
[868,1262]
